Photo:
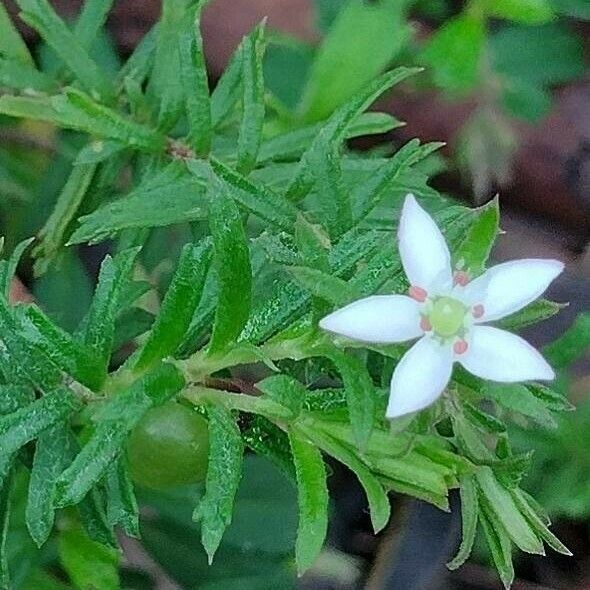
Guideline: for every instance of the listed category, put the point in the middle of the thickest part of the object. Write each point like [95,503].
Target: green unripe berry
[169,447]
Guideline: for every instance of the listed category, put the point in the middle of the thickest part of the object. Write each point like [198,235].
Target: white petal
[379,319]
[498,355]
[420,377]
[508,287]
[422,247]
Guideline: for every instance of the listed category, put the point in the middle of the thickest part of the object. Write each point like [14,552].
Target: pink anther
[425,324]
[461,278]
[478,311]
[460,347]
[418,293]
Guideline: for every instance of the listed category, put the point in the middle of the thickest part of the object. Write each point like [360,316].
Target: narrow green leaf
[52,235]
[26,424]
[291,145]
[223,477]
[518,398]
[256,198]
[94,520]
[194,75]
[499,544]
[538,523]
[231,259]
[336,128]
[114,423]
[12,45]
[55,450]
[553,400]
[8,267]
[122,509]
[506,511]
[474,250]
[378,502]
[91,20]
[41,16]
[170,197]
[313,501]
[99,328]
[76,110]
[141,61]
[333,195]
[226,93]
[68,354]
[469,517]
[250,134]
[360,393]
[90,565]
[536,312]
[178,307]
[165,88]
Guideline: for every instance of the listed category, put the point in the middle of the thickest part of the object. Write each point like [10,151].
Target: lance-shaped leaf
[122,509]
[313,501]
[231,258]
[285,390]
[139,65]
[114,423]
[52,234]
[178,307]
[40,15]
[196,87]
[12,45]
[76,110]
[256,198]
[24,425]
[378,502]
[165,89]
[469,516]
[55,449]
[335,129]
[8,267]
[99,325]
[250,134]
[168,198]
[91,20]
[223,477]
[536,312]
[505,510]
[361,394]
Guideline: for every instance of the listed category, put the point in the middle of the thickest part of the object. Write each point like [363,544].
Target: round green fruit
[169,447]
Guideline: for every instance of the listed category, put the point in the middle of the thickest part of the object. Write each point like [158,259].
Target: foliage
[233,225]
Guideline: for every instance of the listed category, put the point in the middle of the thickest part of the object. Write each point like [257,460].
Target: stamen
[478,311]
[460,347]
[418,293]
[461,278]
[425,325]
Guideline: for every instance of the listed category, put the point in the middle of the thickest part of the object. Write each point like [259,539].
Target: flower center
[447,316]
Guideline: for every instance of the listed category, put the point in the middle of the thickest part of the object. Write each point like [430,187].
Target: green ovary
[447,316]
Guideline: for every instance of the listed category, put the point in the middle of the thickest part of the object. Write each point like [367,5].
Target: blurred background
[511,99]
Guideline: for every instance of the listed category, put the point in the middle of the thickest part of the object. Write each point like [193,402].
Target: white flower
[446,312]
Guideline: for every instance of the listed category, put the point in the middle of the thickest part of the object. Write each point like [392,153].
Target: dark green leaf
[569,347]
[194,75]
[179,305]
[231,258]
[8,267]
[285,390]
[313,501]
[40,15]
[323,285]
[537,311]
[12,45]
[223,477]
[250,133]
[91,20]
[469,516]
[122,509]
